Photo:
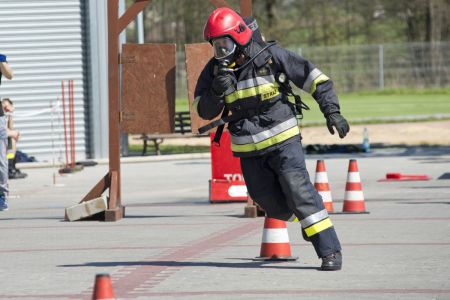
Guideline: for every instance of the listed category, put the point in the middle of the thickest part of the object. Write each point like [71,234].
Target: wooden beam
[246,8]
[114,95]
[98,189]
[220,3]
[131,13]
[115,210]
[113,192]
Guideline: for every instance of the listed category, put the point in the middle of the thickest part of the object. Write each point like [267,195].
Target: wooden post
[246,8]
[111,180]
[114,107]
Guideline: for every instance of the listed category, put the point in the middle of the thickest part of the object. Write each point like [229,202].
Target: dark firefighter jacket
[268,118]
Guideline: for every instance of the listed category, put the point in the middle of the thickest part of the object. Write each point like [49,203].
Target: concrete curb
[124,160]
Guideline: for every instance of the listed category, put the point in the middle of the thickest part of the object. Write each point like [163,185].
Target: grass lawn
[372,106]
[364,107]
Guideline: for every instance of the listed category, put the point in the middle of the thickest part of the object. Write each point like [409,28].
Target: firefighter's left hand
[339,122]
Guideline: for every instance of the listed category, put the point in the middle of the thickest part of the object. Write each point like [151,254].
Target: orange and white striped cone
[103,288]
[322,186]
[275,241]
[354,197]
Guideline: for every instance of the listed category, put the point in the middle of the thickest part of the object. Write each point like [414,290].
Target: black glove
[224,83]
[338,121]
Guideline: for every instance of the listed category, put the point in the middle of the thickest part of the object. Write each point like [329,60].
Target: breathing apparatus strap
[220,128]
[225,117]
[286,88]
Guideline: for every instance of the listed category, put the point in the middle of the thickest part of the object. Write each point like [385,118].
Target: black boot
[16,174]
[332,262]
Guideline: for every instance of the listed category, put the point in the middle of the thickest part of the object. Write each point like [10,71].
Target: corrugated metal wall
[44,43]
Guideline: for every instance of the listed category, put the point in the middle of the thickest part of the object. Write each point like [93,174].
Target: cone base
[328,206]
[354,206]
[275,258]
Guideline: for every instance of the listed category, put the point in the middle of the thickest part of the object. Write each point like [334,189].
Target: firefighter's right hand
[339,122]
[224,84]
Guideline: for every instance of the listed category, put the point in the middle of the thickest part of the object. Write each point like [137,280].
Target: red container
[227,183]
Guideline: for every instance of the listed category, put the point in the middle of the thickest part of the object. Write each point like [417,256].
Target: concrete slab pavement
[174,244]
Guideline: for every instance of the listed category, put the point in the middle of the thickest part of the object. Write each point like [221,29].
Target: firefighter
[248,81]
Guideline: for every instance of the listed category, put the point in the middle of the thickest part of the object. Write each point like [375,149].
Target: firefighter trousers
[279,182]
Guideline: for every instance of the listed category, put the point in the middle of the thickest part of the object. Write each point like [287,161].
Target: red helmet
[226,22]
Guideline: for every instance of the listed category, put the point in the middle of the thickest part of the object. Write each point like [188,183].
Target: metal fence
[371,67]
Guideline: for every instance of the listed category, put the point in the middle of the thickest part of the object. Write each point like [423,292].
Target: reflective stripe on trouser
[279,182]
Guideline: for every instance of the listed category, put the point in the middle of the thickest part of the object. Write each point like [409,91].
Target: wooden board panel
[197,56]
[148,88]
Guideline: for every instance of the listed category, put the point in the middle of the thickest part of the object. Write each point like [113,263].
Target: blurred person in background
[13,137]
[5,71]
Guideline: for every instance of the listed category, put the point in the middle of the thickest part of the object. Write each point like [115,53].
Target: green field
[374,107]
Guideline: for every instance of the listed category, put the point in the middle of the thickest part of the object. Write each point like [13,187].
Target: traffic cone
[322,186]
[354,197]
[275,241]
[103,288]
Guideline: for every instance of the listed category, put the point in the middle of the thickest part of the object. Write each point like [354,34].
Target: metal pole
[140,30]
[122,40]
[65,123]
[53,141]
[381,67]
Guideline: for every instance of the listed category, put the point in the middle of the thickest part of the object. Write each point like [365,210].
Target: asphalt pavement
[174,244]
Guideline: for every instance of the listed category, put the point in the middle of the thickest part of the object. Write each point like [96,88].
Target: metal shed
[48,41]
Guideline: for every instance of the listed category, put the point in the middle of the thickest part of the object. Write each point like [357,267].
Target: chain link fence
[370,67]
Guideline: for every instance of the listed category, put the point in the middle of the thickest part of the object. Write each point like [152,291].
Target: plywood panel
[148,88]
[197,56]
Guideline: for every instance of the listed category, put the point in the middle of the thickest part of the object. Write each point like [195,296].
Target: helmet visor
[223,47]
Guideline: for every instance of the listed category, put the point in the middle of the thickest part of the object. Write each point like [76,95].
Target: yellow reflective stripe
[318,227]
[267,143]
[267,91]
[320,79]
[195,104]
[10,155]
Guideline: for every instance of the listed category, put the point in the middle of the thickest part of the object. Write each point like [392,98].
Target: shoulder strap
[219,131]
[286,88]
